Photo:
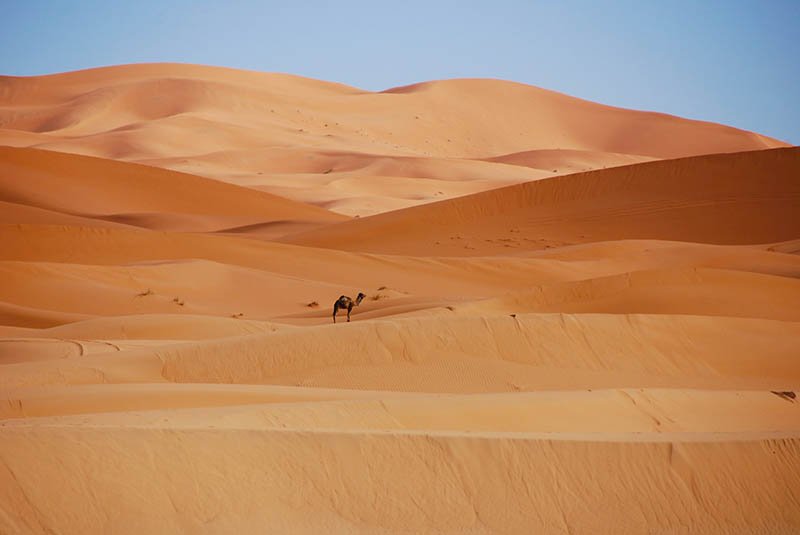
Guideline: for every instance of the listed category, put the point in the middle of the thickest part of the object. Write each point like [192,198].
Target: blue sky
[736,62]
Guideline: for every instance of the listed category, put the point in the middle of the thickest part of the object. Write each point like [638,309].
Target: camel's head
[360,297]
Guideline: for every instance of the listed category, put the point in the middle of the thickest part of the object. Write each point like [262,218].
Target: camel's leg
[349,309]
[335,310]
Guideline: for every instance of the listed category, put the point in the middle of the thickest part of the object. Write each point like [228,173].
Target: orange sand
[579,319]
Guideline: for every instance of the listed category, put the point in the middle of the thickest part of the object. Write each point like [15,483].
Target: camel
[348,303]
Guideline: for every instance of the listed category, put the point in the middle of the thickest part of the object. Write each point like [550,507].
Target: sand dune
[433,483]
[578,318]
[69,263]
[663,411]
[220,123]
[566,160]
[15,213]
[140,196]
[713,293]
[24,316]
[455,354]
[713,199]
[157,327]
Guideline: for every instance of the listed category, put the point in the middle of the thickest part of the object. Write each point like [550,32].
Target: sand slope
[437,483]
[730,198]
[141,196]
[578,319]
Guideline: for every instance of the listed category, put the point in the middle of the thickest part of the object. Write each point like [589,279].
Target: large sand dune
[354,151]
[579,319]
[727,198]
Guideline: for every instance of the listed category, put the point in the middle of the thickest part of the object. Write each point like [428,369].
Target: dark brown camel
[348,303]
